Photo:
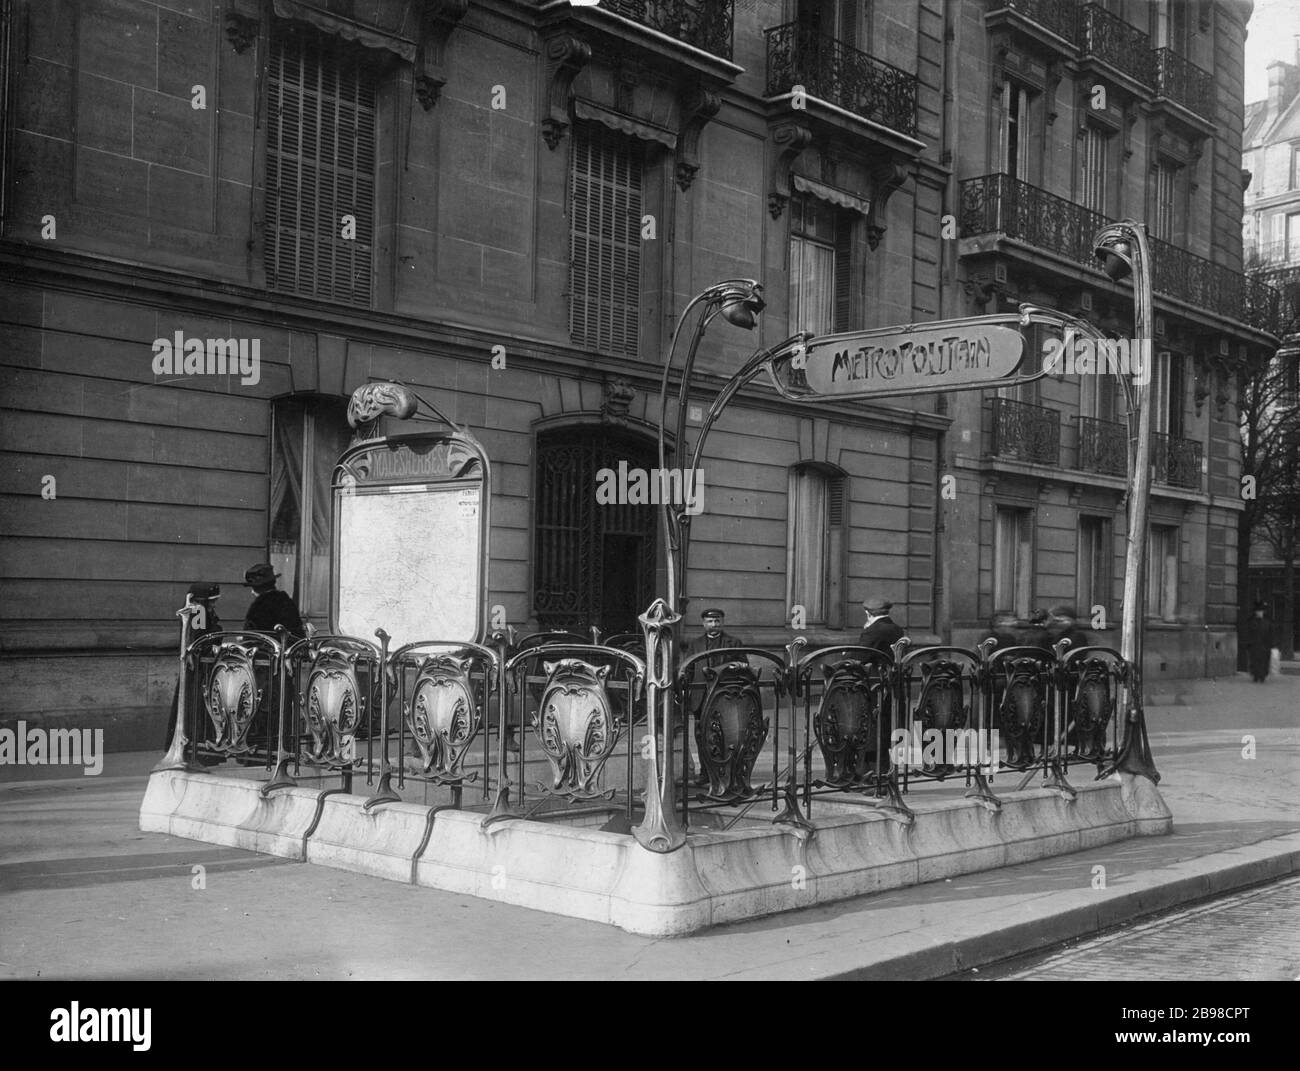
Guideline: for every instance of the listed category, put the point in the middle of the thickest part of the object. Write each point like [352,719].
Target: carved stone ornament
[576,729]
[444,718]
[730,730]
[566,56]
[698,106]
[241,25]
[789,139]
[619,396]
[886,178]
[437,21]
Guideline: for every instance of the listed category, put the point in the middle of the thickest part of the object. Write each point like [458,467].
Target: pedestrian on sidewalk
[1259,639]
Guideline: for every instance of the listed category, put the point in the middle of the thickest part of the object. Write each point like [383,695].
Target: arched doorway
[593,564]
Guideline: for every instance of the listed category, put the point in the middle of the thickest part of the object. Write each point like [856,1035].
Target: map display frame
[410,528]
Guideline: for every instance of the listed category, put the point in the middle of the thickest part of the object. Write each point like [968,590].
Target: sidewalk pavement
[85,894]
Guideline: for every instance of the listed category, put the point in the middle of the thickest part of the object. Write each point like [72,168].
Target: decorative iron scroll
[1179,79]
[1020,680]
[374,400]
[705,25]
[730,730]
[334,706]
[232,697]
[1117,42]
[1059,16]
[1103,447]
[1177,461]
[848,722]
[1091,679]
[444,717]
[576,729]
[1028,432]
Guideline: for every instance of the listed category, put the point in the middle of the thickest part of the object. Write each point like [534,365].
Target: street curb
[1213,875]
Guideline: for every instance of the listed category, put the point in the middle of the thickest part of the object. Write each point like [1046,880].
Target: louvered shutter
[320,167]
[843,271]
[605,199]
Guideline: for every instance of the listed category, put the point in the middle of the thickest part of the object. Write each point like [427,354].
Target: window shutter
[843,271]
[835,503]
[605,198]
[320,167]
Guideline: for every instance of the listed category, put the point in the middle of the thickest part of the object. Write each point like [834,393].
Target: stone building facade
[506,204]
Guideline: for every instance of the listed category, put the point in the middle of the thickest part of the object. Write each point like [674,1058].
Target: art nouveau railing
[1179,79]
[1116,42]
[1059,16]
[1103,446]
[548,732]
[706,24]
[1177,462]
[997,203]
[840,74]
[1026,432]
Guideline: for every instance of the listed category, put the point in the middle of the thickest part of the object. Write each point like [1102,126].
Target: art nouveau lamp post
[1124,252]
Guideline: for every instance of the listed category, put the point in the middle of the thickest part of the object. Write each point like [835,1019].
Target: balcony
[1026,432]
[1180,80]
[1060,17]
[704,24]
[998,204]
[1279,254]
[1103,447]
[840,75]
[1177,462]
[1119,45]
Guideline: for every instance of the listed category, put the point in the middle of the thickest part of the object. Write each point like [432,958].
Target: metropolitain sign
[965,354]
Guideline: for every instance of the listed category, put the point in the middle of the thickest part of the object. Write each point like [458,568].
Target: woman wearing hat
[270,606]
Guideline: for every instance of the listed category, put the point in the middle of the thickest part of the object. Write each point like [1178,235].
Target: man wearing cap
[880,632]
[270,606]
[714,639]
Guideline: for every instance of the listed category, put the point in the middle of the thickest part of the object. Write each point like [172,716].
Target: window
[1295,167]
[848,21]
[815,545]
[1015,131]
[820,266]
[1096,152]
[1097,397]
[320,166]
[1162,572]
[1012,560]
[1094,572]
[1168,389]
[605,197]
[1164,187]
[1170,25]
[1293,238]
[308,435]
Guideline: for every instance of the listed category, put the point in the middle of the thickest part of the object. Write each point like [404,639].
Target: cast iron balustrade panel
[1116,42]
[1026,432]
[1177,461]
[706,24]
[1182,81]
[1059,16]
[842,75]
[1103,447]
[998,203]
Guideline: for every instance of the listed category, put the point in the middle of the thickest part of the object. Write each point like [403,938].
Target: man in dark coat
[270,606]
[1259,641]
[880,632]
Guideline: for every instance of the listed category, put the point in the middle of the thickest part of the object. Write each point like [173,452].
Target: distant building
[404,188]
[1271,237]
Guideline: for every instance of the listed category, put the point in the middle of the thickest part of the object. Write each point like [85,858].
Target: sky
[1270,35]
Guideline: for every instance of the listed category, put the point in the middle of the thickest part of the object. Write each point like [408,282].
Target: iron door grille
[580,545]
[605,199]
[320,167]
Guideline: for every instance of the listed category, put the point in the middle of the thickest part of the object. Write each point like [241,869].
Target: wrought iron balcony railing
[1177,461]
[1116,42]
[1059,16]
[1026,432]
[841,75]
[1182,81]
[1001,204]
[1103,447]
[1273,254]
[706,24]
